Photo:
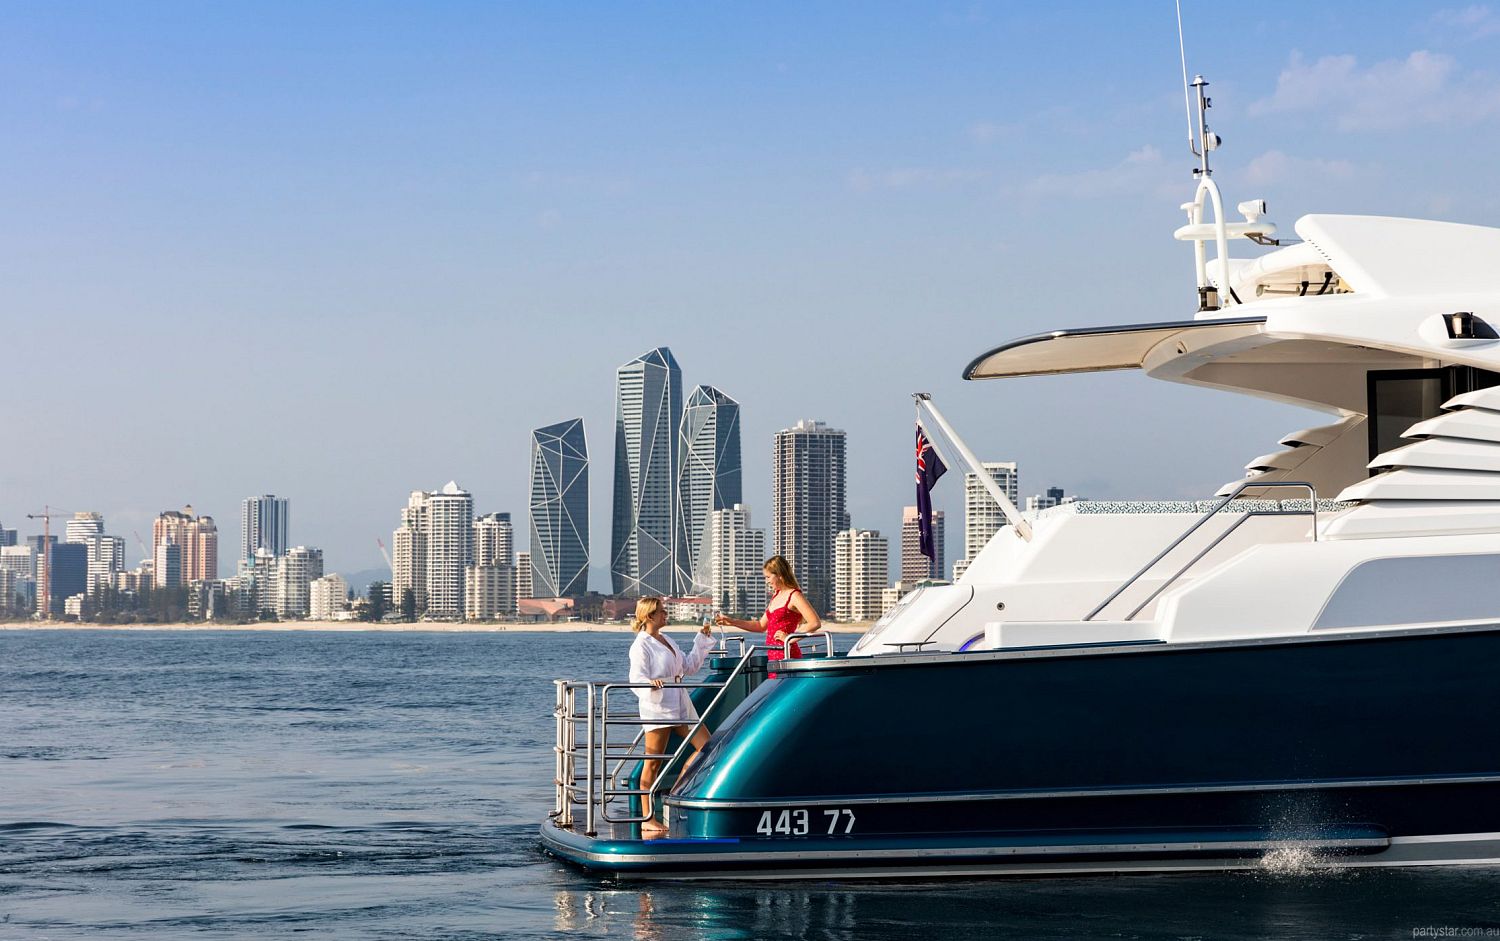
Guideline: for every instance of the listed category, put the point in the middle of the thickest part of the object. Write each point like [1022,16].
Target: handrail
[1250,484]
[794,637]
[681,748]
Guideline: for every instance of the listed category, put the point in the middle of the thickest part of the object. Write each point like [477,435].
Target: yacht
[1304,663]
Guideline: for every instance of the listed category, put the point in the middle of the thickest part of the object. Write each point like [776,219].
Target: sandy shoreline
[350,627]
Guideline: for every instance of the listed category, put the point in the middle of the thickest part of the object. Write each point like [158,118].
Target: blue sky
[341,251]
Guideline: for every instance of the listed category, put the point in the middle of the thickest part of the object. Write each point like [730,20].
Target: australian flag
[929,469]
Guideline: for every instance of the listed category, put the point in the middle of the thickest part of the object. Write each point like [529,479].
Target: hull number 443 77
[799,822]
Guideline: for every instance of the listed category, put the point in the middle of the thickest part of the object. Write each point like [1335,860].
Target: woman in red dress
[787,611]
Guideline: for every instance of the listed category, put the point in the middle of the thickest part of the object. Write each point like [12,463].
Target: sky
[341,251]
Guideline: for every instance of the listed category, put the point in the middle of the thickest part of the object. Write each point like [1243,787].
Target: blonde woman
[787,611]
[656,659]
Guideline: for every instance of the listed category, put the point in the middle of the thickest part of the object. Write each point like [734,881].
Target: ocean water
[228,785]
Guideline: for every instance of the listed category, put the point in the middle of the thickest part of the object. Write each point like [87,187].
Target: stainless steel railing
[599,785]
[1250,484]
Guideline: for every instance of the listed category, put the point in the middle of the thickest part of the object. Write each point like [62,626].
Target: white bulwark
[861,566]
[736,554]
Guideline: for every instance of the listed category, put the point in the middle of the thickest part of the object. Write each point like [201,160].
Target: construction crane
[388,563]
[44,605]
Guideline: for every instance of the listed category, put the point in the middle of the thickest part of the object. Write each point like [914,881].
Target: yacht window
[1415,590]
[1399,398]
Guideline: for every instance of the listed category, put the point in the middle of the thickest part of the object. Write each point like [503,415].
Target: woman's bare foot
[652,827]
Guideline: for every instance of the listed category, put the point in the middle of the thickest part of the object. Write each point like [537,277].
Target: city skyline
[777,203]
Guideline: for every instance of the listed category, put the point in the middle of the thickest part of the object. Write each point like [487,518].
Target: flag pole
[925,407]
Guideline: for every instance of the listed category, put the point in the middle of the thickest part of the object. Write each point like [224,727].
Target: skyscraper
[916,567]
[167,564]
[982,515]
[264,524]
[326,596]
[450,549]
[7,537]
[648,417]
[559,512]
[494,540]
[1053,497]
[736,554]
[83,526]
[196,537]
[709,480]
[68,573]
[808,504]
[861,564]
[409,552]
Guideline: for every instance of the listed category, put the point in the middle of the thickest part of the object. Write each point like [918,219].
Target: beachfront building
[450,549]
[409,552]
[494,540]
[326,597]
[295,573]
[709,479]
[808,504]
[736,554]
[861,564]
[523,577]
[166,565]
[489,592]
[197,541]
[648,418]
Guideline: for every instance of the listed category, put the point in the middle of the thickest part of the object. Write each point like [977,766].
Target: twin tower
[674,465]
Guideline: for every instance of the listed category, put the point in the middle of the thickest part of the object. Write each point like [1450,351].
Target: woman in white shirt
[656,659]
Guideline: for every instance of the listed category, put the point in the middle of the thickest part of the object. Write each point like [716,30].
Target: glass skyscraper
[808,505]
[709,480]
[559,511]
[648,416]
[263,525]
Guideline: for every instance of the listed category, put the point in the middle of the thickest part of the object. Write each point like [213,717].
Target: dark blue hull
[1112,756]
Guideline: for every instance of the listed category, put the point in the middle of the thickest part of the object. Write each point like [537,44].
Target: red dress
[785,618]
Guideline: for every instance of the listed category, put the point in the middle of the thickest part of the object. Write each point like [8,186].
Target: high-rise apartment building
[559,556]
[409,552]
[450,549]
[861,566]
[916,567]
[65,572]
[7,537]
[326,596]
[525,576]
[196,537]
[295,573]
[736,556]
[709,480]
[166,564]
[18,559]
[808,504]
[84,526]
[982,515]
[489,592]
[494,540]
[648,419]
[264,524]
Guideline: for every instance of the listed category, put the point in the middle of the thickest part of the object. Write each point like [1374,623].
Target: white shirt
[650,659]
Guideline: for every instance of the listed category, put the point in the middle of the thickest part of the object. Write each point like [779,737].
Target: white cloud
[1474,22]
[986,131]
[1275,166]
[1423,88]
[1142,169]
[865,181]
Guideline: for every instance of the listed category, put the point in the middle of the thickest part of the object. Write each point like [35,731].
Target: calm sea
[207,785]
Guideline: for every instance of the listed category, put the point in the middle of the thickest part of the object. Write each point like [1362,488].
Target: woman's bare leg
[656,744]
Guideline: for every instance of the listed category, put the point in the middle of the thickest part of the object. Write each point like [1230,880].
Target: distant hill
[359,581]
